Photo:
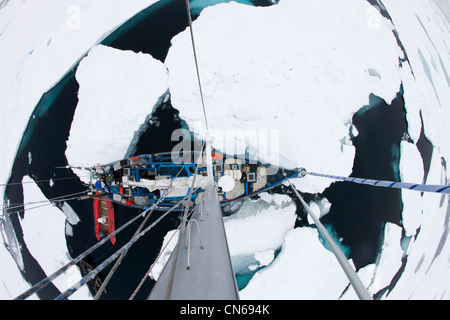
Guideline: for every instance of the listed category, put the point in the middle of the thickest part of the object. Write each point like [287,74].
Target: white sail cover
[180,185]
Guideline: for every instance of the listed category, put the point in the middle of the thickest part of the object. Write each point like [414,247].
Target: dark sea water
[357,214]
[45,138]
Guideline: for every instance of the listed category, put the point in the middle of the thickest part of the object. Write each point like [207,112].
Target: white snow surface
[425,33]
[118,90]
[426,274]
[12,282]
[44,235]
[260,225]
[313,81]
[41,41]
[254,232]
[299,272]
[300,67]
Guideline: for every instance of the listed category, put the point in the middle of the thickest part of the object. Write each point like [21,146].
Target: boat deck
[104,216]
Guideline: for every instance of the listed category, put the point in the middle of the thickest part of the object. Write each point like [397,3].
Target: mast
[200,266]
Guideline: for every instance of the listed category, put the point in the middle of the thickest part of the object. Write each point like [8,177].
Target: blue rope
[386,184]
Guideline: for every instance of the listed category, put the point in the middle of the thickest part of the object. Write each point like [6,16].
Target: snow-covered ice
[424,33]
[254,232]
[112,82]
[44,235]
[426,273]
[12,282]
[312,69]
[299,272]
[411,170]
[260,225]
[316,63]
[377,276]
[41,41]
[321,74]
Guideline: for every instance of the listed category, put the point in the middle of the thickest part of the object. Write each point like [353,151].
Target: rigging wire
[183,223]
[63,269]
[37,181]
[122,256]
[44,282]
[65,295]
[188,9]
[135,292]
[157,259]
[38,286]
[9,208]
[359,287]
[125,248]
[208,134]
